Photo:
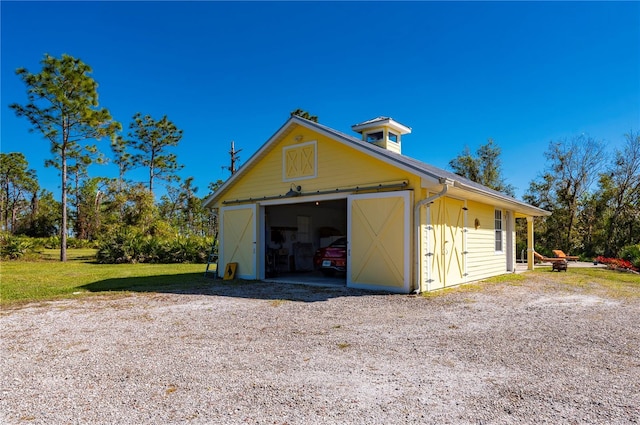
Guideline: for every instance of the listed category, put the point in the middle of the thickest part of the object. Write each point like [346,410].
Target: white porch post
[530,246]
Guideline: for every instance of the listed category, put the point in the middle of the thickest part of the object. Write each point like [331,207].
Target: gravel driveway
[536,352]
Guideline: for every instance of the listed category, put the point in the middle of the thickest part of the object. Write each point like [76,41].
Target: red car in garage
[332,258]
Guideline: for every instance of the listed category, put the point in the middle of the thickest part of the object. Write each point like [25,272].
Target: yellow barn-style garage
[404,224]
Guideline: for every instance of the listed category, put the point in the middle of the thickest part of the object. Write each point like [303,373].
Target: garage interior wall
[306,226]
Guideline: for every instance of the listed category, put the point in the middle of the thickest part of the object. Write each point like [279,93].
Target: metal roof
[382,121]
[413,165]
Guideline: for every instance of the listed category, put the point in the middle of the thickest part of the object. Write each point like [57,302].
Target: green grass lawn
[27,281]
[86,254]
[611,283]
[598,281]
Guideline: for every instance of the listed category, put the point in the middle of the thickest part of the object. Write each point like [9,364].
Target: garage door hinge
[428,254]
[465,274]
[465,252]
[429,280]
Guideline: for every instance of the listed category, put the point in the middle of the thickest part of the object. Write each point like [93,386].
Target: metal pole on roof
[234,157]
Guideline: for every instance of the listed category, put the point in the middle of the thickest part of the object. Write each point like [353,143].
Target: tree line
[62,105]
[593,194]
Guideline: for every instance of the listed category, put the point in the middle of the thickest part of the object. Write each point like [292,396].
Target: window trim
[498,233]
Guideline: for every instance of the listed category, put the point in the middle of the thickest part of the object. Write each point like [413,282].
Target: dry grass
[468,287]
[603,282]
[609,283]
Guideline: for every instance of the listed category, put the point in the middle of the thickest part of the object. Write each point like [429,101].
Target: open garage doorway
[293,233]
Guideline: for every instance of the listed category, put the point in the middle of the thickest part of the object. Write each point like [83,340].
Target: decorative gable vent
[383,132]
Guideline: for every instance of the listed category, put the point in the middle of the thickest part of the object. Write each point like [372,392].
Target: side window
[498,230]
[374,137]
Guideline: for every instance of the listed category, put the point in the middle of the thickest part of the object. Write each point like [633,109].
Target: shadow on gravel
[197,284]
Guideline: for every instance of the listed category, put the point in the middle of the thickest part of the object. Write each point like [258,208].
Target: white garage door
[238,239]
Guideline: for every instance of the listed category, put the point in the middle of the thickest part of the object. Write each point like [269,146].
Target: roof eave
[519,206]
[381,122]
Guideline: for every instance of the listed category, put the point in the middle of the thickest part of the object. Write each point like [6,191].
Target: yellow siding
[299,161]
[482,259]
[338,166]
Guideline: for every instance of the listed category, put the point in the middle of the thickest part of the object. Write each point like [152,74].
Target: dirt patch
[277,353]
[577,300]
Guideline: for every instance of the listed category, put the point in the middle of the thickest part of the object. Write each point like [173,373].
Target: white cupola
[383,132]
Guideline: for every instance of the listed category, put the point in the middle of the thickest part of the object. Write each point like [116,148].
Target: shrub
[153,251]
[616,263]
[123,246]
[79,243]
[52,242]
[14,247]
[631,253]
[188,250]
[129,246]
[38,244]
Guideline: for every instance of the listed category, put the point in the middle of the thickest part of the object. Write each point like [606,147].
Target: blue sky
[458,73]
